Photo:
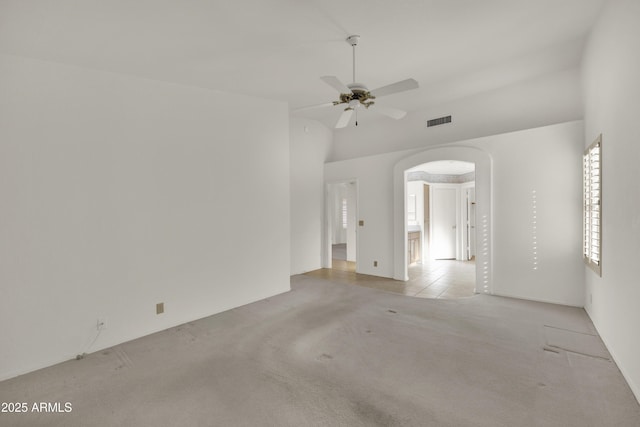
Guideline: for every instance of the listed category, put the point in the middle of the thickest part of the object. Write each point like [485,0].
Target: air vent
[438,121]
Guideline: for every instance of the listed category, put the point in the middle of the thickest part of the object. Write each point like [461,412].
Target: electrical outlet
[160,308]
[375,263]
[101,323]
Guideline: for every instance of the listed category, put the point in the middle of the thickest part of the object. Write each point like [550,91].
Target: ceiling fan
[357,96]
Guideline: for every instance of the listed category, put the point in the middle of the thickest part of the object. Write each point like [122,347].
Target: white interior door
[443,207]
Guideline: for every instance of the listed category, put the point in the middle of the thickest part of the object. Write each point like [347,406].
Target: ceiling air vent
[438,121]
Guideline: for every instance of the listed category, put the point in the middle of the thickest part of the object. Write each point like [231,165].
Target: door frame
[484,208]
[329,210]
[468,220]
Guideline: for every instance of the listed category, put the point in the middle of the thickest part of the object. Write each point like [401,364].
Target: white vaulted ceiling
[278,49]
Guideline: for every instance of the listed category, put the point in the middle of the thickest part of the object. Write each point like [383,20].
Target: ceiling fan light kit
[357,95]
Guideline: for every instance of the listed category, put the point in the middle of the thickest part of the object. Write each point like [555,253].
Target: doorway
[480,243]
[441,206]
[442,227]
[342,216]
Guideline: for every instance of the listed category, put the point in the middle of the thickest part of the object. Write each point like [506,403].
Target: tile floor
[446,279]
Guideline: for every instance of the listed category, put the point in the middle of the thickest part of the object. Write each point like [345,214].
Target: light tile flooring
[446,279]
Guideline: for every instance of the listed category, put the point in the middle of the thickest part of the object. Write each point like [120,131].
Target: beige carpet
[327,354]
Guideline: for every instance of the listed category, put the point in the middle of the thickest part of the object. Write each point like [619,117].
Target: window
[592,206]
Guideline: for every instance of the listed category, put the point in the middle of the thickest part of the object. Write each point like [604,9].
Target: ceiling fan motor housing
[359,92]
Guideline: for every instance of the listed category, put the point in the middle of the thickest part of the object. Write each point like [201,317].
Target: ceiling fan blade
[312,107]
[344,119]
[394,113]
[335,83]
[400,86]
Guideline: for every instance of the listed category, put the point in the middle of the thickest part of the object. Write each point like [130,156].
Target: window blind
[592,209]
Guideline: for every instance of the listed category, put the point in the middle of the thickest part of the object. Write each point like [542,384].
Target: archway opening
[441,232]
[482,209]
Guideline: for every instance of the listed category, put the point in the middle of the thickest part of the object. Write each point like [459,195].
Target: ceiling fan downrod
[353,41]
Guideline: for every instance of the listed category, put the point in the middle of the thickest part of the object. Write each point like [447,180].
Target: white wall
[118,193]
[309,147]
[611,83]
[547,160]
[375,184]
[550,99]
[544,166]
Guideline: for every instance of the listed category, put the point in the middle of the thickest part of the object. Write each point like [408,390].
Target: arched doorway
[482,162]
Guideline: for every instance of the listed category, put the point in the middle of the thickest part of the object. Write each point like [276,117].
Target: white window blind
[592,207]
